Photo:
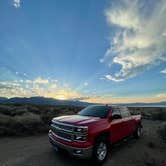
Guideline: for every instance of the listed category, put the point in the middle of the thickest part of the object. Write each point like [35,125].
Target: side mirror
[116,116]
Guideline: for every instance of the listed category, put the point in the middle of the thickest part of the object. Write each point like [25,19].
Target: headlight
[81,129]
[81,133]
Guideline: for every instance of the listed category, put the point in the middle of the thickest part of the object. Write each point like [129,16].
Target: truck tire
[138,132]
[100,150]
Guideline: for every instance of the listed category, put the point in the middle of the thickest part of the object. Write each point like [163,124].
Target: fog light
[78,151]
[80,138]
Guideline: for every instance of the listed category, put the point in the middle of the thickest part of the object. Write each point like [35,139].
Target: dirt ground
[150,150]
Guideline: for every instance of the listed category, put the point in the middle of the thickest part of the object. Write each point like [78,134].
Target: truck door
[127,122]
[116,125]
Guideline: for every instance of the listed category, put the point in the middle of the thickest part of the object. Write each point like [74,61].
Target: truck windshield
[95,111]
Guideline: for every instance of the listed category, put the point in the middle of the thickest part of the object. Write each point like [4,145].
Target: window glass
[96,111]
[123,111]
[115,111]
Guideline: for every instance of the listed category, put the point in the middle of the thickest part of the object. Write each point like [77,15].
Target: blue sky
[96,51]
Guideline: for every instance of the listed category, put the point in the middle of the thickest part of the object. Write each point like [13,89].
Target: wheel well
[139,124]
[105,135]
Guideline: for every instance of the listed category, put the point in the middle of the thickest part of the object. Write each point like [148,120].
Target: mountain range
[52,101]
[41,100]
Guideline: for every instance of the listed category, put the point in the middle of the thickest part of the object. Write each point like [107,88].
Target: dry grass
[150,112]
[22,119]
[29,119]
[162,132]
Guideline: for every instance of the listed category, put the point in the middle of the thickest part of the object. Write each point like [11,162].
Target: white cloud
[109,77]
[16,3]
[85,83]
[161,95]
[37,87]
[28,81]
[27,88]
[114,99]
[9,84]
[138,43]
[163,71]
[39,80]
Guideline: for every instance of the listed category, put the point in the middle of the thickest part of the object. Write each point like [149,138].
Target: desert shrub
[6,131]
[4,119]
[27,118]
[46,116]
[28,123]
[162,132]
[25,124]
[5,109]
[19,111]
[5,125]
[17,104]
[160,115]
[33,109]
[154,113]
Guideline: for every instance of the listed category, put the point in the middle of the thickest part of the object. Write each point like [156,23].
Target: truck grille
[63,127]
[62,130]
[61,133]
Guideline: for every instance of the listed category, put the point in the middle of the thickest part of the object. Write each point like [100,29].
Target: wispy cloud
[115,99]
[37,87]
[16,3]
[50,88]
[163,71]
[39,80]
[86,84]
[139,41]
[109,77]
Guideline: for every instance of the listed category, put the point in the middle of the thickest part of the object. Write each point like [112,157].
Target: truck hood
[77,119]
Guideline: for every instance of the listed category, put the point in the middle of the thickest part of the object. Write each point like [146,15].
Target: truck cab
[92,131]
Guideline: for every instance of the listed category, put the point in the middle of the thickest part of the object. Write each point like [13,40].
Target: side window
[124,112]
[116,111]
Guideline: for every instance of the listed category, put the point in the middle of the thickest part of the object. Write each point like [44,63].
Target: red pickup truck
[91,132]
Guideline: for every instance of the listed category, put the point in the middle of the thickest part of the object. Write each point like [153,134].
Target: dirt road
[36,151]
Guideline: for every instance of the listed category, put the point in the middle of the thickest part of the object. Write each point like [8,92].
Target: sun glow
[63,94]
[61,97]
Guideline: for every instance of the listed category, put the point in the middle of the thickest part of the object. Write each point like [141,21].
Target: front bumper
[74,151]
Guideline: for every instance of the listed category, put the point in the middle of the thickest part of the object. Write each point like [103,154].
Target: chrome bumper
[83,152]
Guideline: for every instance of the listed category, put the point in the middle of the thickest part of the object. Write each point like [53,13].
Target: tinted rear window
[121,110]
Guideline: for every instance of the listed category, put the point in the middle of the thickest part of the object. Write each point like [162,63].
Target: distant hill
[41,100]
[157,104]
[2,99]
[51,101]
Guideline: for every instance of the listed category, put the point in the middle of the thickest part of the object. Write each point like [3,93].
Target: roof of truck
[110,105]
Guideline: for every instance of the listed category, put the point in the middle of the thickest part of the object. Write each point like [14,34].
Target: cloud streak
[50,88]
[36,87]
[139,41]
[16,3]
[163,71]
[115,99]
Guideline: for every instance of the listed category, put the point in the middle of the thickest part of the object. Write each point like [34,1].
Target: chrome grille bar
[65,131]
